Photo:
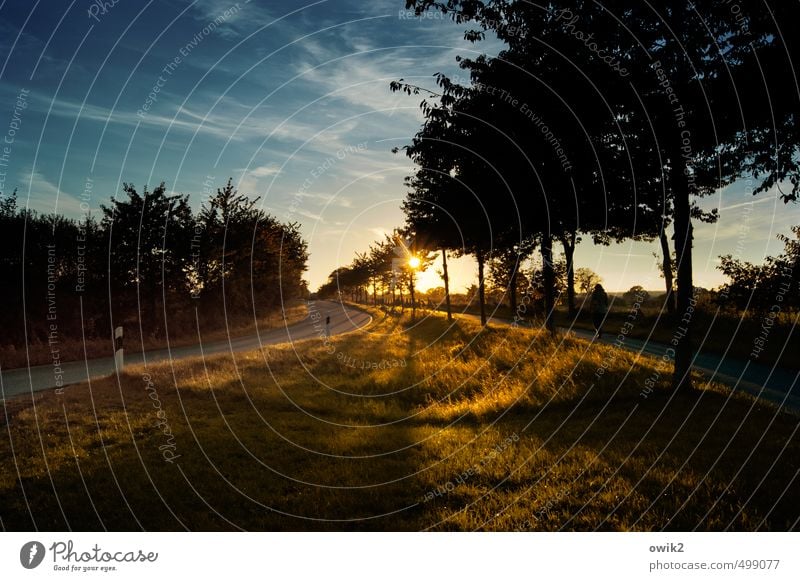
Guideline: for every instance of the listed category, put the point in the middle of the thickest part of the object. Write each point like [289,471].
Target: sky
[290,100]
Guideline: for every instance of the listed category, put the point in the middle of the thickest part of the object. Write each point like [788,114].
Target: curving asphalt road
[344,319]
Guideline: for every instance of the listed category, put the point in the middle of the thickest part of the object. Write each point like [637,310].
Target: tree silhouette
[681,72]
[144,264]
[460,188]
[586,279]
[149,238]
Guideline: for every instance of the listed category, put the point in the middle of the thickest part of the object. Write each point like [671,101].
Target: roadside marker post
[118,350]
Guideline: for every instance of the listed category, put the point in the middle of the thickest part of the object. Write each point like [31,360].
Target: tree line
[147,262]
[606,120]
[389,266]
[383,275]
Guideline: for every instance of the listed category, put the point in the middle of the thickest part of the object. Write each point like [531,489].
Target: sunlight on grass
[453,428]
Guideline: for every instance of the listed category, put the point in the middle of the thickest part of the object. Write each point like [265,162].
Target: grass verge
[75,349]
[402,426]
[718,334]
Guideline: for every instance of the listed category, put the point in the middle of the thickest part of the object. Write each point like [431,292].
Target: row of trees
[601,119]
[385,274]
[149,262]
[389,266]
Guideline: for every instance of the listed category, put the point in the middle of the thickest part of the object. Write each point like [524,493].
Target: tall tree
[460,186]
[149,239]
[664,67]
[245,258]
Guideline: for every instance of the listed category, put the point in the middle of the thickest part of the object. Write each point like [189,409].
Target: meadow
[406,425]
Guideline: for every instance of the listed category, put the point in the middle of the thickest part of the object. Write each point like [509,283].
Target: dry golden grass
[501,429]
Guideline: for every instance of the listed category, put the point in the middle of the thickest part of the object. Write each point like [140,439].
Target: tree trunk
[374,292]
[413,299]
[666,266]
[512,289]
[481,287]
[152,324]
[568,241]
[549,282]
[682,339]
[446,284]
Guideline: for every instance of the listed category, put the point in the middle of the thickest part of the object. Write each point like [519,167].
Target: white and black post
[118,350]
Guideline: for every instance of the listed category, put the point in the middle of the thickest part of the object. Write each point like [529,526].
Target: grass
[405,426]
[721,335]
[718,334]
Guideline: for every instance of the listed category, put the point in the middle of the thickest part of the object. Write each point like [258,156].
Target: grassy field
[401,427]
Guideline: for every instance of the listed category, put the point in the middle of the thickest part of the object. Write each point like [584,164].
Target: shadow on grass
[263,443]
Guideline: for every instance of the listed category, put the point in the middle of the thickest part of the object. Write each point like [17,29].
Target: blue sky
[291,100]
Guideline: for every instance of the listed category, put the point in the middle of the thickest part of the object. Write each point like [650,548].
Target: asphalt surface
[344,319]
[774,384]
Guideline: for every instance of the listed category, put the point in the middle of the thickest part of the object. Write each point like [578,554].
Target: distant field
[403,427]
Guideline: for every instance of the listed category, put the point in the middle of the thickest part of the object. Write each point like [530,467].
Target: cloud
[241,17]
[294,212]
[362,81]
[220,121]
[379,233]
[252,179]
[46,197]
[752,202]
[327,199]
[265,170]
[183,119]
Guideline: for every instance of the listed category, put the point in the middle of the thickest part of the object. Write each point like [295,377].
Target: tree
[244,257]
[459,191]
[511,95]
[504,269]
[587,279]
[393,261]
[145,263]
[149,241]
[773,286]
[674,61]
[636,294]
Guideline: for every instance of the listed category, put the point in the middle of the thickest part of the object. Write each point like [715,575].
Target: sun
[413,262]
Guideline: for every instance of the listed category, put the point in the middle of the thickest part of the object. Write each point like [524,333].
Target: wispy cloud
[239,17]
[221,121]
[265,170]
[255,179]
[46,197]
[326,199]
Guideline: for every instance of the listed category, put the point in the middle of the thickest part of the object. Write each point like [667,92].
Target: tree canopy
[652,105]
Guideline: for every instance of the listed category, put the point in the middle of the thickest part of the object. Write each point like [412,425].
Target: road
[775,384]
[28,379]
